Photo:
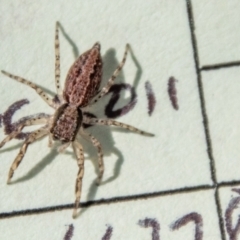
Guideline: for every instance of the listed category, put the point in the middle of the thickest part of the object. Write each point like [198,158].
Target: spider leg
[78,149]
[97,145]
[31,138]
[57,63]
[40,92]
[110,82]
[63,147]
[50,140]
[30,122]
[111,122]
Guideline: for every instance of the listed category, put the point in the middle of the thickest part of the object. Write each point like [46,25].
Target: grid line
[108,201]
[204,114]
[219,211]
[220,65]
[184,190]
[200,88]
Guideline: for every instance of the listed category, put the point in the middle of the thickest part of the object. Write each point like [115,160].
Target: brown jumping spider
[81,90]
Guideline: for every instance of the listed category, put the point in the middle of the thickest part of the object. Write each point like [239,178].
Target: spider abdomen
[66,123]
[84,78]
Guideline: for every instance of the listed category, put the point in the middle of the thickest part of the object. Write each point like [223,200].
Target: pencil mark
[237,190]
[108,233]
[151,97]
[116,90]
[233,232]
[153,223]
[9,127]
[172,92]
[191,217]
[7,116]
[69,233]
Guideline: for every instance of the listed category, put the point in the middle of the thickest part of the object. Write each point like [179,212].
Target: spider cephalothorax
[66,122]
[81,90]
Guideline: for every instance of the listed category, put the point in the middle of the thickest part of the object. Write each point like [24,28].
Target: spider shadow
[110,63]
[74,50]
[75,53]
[8,149]
[48,159]
[104,133]
[109,60]
[70,41]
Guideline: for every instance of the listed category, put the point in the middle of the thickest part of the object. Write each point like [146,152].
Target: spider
[81,90]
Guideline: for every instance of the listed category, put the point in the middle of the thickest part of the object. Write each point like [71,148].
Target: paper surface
[185,174]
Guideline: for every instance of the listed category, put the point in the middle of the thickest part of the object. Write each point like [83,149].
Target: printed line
[122,199]
[228,184]
[220,65]
[106,201]
[200,88]
[219,210]
[204,112]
